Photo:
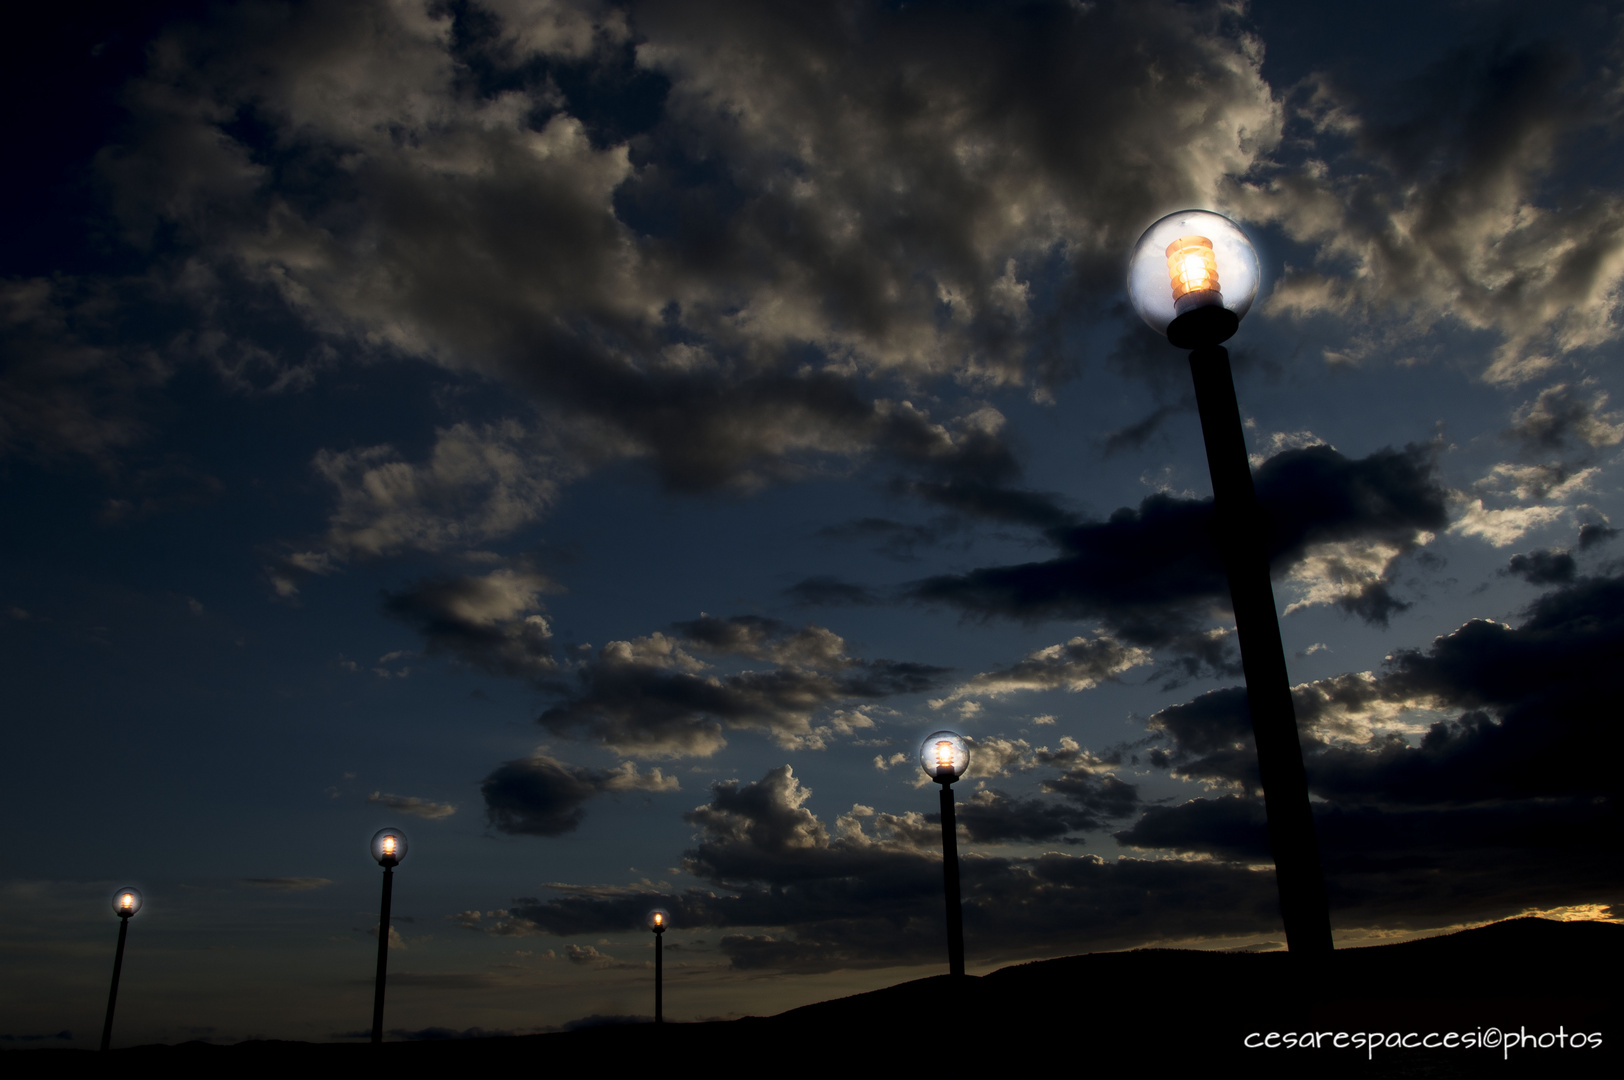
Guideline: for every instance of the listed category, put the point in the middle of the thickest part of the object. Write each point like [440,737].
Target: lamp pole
[389,848]
[126,902]
[1213,272]
[944,757]
[658,920]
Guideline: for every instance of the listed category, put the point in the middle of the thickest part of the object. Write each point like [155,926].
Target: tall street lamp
[388,847]
[126,902]
[658,920]
[1193,275]
[944,757]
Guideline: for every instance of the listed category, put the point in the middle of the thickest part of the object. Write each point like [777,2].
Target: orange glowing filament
[389,845]
[126,901]
[944,755]
[659,920]
[1193,266]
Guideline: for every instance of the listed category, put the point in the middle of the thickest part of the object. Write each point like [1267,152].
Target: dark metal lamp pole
[658,920]
[944,757]
[1191,250]
[389,848]
[126,902]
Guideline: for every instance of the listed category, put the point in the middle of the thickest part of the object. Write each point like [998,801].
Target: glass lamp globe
[127,901]
[944,756]
[1192,277]
[658,920]
[389,847]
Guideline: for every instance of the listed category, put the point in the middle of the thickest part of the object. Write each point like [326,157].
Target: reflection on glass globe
[389,847]
[1192,277]
[127,901]
[944,756]
[658,920]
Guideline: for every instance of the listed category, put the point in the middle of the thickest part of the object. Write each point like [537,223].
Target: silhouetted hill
[1157,1012]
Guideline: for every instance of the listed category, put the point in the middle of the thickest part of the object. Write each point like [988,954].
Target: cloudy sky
[605,438]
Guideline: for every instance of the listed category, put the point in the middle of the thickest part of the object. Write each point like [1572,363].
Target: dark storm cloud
[1526,697]
[653,695]
[1152,573]
[799,895]
[977,480]
[646,709]
[542,796]
[1101,796]
[1514,800]
[762,831]
[826,591]
[1211,738]
[489,622]
[1419,866]
[894,539]
[1229,827]
[1563,418]
[1136,569]
[1592,534]
[1469,194]
[1534,695]
[992,502]
[758,638]
[1074,903]
[1541,567]
[645,216]
[991,817]
[1136,434]
[868,893]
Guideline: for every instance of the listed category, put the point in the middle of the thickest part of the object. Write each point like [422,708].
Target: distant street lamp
[944,757]
[1193,275]
[126,902]
[388,847]
[658,920]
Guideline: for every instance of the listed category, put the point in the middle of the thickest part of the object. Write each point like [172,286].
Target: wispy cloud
[411,804]
[287,884]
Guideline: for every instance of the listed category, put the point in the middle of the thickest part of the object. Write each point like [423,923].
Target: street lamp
[944,757]
[1192,277]
[658,920]
[389,848]
[126,902]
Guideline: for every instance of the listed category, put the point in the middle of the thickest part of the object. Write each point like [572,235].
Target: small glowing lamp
[389,847]
[944,756]
[658,920]
[1192,277]
[127,901]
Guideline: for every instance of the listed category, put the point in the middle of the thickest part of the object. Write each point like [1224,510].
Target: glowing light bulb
[944,755]
[126,901]
[389,845]
[659,920]
[1192,266]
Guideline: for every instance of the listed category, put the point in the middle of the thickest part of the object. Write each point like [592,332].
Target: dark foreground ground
[1151,1013]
